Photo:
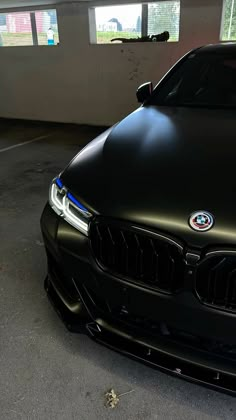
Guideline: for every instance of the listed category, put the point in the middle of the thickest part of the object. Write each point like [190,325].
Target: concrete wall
[94,84]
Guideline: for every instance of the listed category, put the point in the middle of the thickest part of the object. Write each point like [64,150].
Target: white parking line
[23,144]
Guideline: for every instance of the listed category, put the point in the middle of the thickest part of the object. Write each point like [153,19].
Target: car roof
[224,47]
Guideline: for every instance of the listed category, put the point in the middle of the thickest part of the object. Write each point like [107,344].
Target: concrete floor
[45,371]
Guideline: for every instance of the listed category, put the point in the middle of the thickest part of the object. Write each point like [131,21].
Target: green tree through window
[229,21]
[164,16]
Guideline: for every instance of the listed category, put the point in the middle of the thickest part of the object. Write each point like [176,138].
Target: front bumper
[176,334]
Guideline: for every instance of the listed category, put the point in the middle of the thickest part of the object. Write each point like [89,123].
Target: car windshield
[202,80]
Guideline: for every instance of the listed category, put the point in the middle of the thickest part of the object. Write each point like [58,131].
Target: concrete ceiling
[31,3]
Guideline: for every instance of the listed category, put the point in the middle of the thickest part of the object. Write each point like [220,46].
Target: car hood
[158,166]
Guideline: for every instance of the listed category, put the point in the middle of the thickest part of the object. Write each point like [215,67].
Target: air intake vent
[134,254]
[216,282]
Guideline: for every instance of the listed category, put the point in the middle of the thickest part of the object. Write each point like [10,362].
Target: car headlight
[68,207]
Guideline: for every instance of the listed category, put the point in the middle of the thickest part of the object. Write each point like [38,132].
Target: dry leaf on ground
[112,399]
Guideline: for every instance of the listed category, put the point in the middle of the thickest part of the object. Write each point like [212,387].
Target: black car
[140,228]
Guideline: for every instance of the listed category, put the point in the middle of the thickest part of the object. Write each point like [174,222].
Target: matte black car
[140,228]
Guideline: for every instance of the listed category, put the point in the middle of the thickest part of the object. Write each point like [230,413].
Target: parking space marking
[5,149]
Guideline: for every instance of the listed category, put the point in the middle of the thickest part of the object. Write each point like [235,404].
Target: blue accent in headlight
[59,183]
[76,202]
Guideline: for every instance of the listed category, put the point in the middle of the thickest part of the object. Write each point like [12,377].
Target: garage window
[133,21]
[29,28]
[228,30]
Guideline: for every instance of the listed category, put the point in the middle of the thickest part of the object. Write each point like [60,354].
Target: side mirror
[144,92]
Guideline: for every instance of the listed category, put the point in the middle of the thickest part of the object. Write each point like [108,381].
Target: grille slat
[99,240]
[234,289]
[155,263]
[216,281]
[170,266]
[171,270]
[113,252]
[125,253]
[138,255]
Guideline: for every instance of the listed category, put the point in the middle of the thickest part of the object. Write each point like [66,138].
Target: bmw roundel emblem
[201,221]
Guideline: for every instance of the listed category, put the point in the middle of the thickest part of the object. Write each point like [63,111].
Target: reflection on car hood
[158,166]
